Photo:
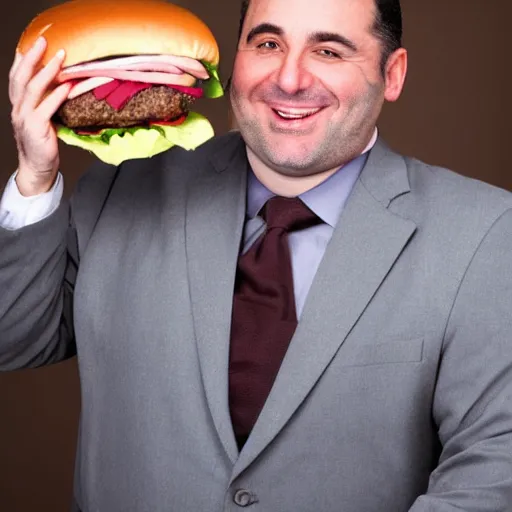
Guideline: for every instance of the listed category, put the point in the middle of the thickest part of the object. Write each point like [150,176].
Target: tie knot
[288,213]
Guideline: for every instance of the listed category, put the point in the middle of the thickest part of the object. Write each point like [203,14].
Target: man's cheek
[253,68]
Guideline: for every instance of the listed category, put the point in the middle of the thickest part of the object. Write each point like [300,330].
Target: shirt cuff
[18,211]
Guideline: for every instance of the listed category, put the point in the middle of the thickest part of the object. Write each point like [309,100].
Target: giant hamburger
[135,67]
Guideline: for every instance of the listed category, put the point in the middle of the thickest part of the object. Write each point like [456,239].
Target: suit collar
[385,174]
[215,212]
[230,154]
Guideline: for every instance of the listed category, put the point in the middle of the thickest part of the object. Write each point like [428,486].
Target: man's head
[310,79]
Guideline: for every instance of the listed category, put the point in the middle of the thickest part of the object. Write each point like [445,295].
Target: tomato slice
[171,122]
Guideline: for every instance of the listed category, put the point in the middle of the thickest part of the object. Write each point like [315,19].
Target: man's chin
[293,164]
[292,160]
[288,155]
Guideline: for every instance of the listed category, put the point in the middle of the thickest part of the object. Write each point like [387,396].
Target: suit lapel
[214,225]
[365,244]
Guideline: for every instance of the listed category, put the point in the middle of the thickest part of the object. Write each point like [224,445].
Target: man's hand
[32,109]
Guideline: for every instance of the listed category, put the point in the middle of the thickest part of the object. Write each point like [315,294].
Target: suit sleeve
[37,272]
[473,396]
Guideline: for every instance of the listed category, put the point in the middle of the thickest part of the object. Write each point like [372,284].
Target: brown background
[454,112]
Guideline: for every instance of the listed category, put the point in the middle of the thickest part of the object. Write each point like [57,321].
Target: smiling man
[308,86]
[293,317]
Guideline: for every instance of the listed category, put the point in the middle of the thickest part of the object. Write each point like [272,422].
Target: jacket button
[244,498]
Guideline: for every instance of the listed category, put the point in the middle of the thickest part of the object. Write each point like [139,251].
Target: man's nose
[292,75]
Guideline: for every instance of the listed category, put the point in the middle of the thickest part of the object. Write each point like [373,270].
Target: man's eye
[329,54]
[268,45]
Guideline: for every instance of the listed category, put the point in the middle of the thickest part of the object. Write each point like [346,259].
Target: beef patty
[155,103]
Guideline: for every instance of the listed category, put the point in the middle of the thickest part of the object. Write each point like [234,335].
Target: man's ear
[396,71]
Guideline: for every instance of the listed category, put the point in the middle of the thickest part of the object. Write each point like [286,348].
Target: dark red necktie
[264,317]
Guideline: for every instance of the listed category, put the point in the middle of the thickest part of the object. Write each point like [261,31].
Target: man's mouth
[294,114]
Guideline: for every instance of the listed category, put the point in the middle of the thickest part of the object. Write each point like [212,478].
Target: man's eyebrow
[264,28]
[332,37]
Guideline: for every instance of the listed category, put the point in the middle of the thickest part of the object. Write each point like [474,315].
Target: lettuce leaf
[212,87]
[115,145]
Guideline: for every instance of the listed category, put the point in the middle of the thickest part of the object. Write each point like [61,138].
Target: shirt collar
[326,199]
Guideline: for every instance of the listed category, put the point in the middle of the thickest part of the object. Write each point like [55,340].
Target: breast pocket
[393,352]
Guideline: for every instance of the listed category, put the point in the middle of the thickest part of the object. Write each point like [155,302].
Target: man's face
[307,87]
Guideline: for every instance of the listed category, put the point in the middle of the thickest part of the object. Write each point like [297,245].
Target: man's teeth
[296,113]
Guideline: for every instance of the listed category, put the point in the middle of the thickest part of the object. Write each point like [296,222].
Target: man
[394,391]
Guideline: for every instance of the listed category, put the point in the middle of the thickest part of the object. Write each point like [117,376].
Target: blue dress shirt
[307,247]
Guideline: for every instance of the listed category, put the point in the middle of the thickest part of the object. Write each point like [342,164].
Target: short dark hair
[387,26]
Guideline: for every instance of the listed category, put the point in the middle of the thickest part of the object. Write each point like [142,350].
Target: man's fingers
[15,63]
[24,70]
[38,86]
[52,102]
[36,90]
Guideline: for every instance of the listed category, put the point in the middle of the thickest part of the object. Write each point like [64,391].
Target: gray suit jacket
[396,391]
